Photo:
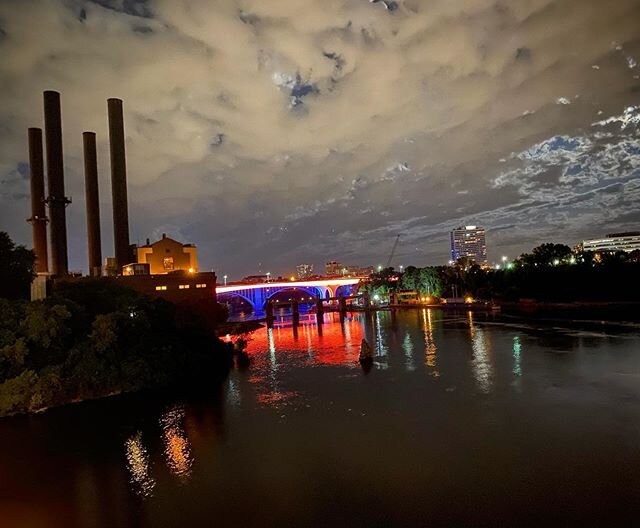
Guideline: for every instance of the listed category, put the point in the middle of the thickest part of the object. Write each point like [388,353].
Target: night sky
[274,132]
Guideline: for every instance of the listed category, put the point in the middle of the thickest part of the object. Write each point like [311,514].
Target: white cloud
[262,126]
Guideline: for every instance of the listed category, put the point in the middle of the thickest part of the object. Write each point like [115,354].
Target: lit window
[167,263]
[161,288]
[201,285]
[183,287]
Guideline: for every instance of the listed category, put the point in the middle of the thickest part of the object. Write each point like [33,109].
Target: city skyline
[481,114]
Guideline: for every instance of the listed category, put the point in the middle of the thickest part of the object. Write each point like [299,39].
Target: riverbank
[95,339]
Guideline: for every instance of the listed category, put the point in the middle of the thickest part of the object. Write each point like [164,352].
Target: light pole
[268,276]
[225,280]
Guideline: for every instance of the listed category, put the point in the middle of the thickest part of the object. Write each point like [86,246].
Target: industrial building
[167,255]
[470,242]
[165,268]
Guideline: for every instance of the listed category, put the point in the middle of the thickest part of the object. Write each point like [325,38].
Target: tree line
[550,272]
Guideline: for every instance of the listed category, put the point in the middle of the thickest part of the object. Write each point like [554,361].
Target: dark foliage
[551,272]
[16,269]
[94,338]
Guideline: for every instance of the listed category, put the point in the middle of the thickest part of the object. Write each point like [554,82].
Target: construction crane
[393,251]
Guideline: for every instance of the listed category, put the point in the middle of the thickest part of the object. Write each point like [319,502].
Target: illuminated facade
[168,255]
[470,242]
[615,242]
[333,268]
[304,271]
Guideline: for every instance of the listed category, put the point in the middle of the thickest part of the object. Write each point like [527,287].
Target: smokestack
[55,176]
[118,183]
[38,218]
[93,203]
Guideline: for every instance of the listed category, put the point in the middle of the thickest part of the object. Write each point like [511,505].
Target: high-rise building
[304,271]
[614,242]
[470,242]
[333,268]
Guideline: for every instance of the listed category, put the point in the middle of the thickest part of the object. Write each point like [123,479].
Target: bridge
[258,295]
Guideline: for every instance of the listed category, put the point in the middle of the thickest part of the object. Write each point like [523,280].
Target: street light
[379,267]
[401,267]
[225,280]
[504,259]
[268,276]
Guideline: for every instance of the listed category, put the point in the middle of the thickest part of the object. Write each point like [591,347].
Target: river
[462,420]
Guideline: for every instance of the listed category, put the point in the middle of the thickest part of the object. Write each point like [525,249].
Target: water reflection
[517,368]
[177,449]
[430,348]
[480,363]
[579,411]
[138,466]
[407,346]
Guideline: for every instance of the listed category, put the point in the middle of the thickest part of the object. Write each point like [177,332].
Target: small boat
[366,354]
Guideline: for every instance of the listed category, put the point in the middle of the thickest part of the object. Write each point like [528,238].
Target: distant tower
[55,176]
[93,204]
[38,218]
[119,184]
[470,242]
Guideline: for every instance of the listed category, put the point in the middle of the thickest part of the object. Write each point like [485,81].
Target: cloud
[306,130]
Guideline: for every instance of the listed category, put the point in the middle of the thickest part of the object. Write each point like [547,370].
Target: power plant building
[168,255]
[166,268]
[470,242]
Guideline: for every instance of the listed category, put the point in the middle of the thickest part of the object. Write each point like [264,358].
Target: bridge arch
[312,291]
[237,294]
[345,290]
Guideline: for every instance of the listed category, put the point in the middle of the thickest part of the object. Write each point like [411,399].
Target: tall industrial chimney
[118,183]
[55,176]
[38,218]
[93,203]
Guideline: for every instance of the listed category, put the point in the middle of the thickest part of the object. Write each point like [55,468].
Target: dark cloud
[139,8]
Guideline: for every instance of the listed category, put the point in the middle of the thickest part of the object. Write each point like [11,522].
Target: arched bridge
[259,294]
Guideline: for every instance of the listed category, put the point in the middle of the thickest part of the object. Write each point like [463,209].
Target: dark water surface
[463,420]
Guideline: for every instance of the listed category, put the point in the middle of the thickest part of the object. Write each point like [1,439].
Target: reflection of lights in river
[138,465]
[482,369]
[517,368]
[233,393]
[176,444]
[381,348]
[407,346]
[272,348]
[430,348]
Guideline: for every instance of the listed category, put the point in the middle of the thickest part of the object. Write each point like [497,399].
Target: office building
[333,268]
[470,242]
[614,242]
[304,271]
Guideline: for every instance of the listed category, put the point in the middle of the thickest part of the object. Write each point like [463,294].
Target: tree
[634,256]
[16,269]
[547,255]
[429,282]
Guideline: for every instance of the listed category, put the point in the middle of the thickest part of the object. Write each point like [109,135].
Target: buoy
[366,354]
